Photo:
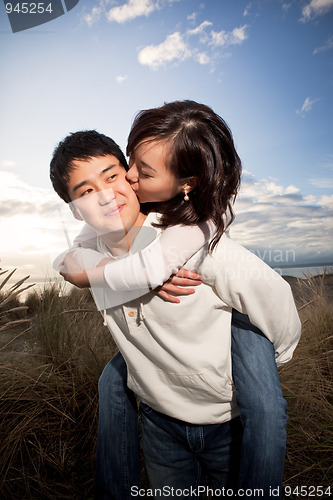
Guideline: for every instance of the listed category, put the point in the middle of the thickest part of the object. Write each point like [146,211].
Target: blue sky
[265,66]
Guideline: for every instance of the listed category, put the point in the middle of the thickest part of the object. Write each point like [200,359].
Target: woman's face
[149,175]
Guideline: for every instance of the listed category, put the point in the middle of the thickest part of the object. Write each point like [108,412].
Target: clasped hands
[169,291]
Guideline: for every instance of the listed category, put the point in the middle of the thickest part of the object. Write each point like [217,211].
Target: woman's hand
[173,287]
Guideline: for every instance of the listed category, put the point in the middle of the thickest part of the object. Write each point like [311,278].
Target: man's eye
[86,192]
[111,177]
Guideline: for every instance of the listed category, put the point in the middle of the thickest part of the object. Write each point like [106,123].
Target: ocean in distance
[302,270]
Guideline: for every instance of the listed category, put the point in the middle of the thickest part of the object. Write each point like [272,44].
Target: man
[178,357]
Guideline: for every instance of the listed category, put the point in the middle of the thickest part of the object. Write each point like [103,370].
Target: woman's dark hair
[82,145]
[201,146]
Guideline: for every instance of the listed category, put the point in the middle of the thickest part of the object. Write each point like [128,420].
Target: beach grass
[53,347]
[49,403]
[307,383]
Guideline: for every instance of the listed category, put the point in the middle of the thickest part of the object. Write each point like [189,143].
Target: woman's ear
[190,184]
[75,211]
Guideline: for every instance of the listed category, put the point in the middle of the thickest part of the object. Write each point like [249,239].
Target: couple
[187,362]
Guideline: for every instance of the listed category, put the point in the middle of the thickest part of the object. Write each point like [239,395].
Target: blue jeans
[118,459]
[262,412]
[182,457]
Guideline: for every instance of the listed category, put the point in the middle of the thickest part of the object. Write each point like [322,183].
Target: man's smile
[115,210]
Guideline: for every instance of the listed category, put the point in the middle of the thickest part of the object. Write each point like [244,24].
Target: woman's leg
[117,461]
[263,409]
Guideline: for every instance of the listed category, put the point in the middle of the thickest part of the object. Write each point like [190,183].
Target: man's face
[101,195]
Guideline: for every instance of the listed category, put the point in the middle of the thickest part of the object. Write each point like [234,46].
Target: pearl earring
[186,197]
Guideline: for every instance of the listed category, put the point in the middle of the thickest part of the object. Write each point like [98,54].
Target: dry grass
[307,384]
[52,351]
[48,408]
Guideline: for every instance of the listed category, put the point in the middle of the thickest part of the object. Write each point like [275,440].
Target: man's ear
[190,184]
[75,212]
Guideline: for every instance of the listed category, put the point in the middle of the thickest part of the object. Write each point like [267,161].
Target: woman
[182,157]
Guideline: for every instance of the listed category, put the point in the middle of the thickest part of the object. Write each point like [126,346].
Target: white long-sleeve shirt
[154,256]
[178,356]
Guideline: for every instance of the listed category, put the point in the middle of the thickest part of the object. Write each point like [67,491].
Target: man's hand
[173,287]
[73,273]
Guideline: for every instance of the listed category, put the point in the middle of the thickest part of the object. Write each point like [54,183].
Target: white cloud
[286,6]
[30,218]
[131,10]
[202,58]
[327,201]
[328,162]
[93,16]
[199,29]
[307,106]
[310,199]
[174,48]
[268,216]
[322,182]
[121,78]
[135,8]
[327,46]
[126,12]
[8,163]
[219,38]
[13,189]
[192,17]
[278,223]
[247,9]
[225,38]
[316,8]
[267,190]
[238,35]
[177,46]
[292,190]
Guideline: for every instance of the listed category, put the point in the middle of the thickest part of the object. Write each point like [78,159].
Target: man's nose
[105,196]
[132,174]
